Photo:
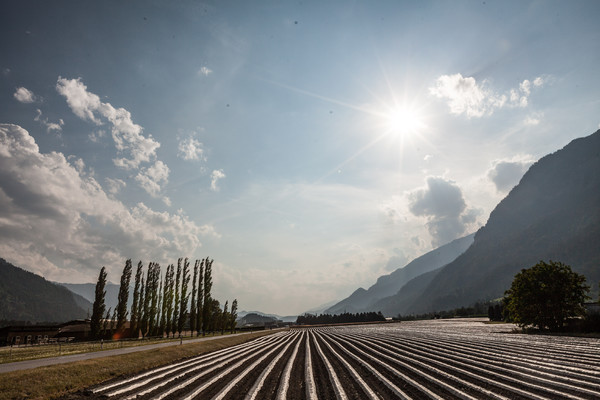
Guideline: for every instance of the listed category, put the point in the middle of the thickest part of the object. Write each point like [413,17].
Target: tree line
[160,302]
[311,319]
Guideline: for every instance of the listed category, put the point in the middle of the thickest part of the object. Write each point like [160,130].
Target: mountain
[400,303]
[552,214]
[388,285]
[255,319]
[25,296]
[88,292]
[287,318]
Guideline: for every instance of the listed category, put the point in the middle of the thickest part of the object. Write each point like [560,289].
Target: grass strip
[56,381]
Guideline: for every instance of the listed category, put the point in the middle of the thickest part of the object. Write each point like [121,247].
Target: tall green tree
[176,298]
[99,305]
[185,280]
[224,318]
[145,305]
[154,295]
[135,316]
[545,296]
[200,297]
[208,304]
[168,298]
[233,315]
[105,323]
[193,302]
[123,295]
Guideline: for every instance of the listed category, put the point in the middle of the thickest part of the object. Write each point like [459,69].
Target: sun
[402,121]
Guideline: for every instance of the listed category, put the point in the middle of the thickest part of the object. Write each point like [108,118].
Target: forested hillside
[552,214]
[27,297]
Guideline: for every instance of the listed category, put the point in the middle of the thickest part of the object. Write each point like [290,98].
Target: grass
[55,381]
[22,353]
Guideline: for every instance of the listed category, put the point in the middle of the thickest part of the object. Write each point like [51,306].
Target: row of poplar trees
[160,302]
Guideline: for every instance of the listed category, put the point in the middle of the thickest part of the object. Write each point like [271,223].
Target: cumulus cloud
[190,149]
[215,176]
[50,126]
[127,135]
[60,223]
[151,178]
[24,95]
[441,202]
[114,186]
[505,174]
[466,96]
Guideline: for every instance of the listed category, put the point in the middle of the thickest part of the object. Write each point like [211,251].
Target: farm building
[40,334]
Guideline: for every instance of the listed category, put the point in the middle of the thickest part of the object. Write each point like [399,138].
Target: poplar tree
[200,298]
[175,319]
[135,315]
[123,295]
[207,306]
[233,315]
[143,306]
[224,317]
[168,299]
[184,296]
[153,301]
[105,323]
[193,302]
[99,305]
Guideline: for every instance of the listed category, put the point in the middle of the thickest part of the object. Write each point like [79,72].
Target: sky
[307,147]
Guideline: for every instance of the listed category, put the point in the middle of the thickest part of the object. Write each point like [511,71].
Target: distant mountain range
[88,292]
[388,285]
[552,214]
[27,297]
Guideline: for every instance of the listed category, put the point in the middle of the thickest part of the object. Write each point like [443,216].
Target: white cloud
[62,224]
[151,178]
[24,95]
[96,136]
[204,71]
[466,96]
[215,176]
[441,202]
[126,134]
[50,126]
[191,149]
[114,186]
[505,174]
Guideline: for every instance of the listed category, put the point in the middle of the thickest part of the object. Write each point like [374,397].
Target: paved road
[42,362]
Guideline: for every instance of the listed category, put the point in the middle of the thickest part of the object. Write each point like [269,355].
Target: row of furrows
[478,372]
[372,363]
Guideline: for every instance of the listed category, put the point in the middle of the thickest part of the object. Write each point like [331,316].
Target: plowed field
[449,359]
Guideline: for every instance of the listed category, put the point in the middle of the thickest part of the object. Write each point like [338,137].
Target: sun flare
[403,121]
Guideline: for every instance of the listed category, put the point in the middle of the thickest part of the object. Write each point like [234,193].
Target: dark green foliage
[123,295]
[225,317]
[154,298]
[168,299]
[99,306]
[184,298]
[135,314]
[200,298]
[495,312]
[25,296]
[310,319]
[233,315]
[193,302]
[207,313]
[545,296]
[175,319]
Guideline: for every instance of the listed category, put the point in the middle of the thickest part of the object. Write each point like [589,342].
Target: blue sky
[308,147]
